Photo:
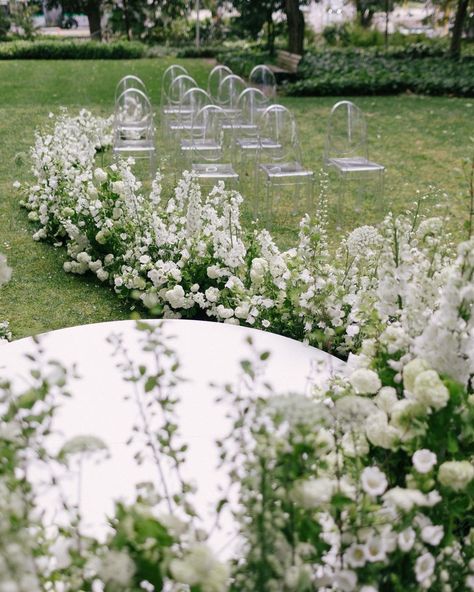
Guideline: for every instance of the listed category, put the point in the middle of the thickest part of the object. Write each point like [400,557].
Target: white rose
[213,272]
[212,294]
[242,311]
[83,257]
[456,474]
[224,313]
[430,390]
[365,382]
[412,370]
[424,460]
[176,296]
[100,175]
[373,481]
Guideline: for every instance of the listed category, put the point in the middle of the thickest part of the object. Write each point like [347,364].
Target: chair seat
[145,145]
[240,125]
[200,145]
[286,169]
[214,171]
[354,164]
[177,110]
[257,143]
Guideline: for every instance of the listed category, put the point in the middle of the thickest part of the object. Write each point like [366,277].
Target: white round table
[208,352]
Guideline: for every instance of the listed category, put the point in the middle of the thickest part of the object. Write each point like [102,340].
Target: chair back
[216,76]
[129,81]
[263,78]
[252,102]
[193,100]
[278,124]
[207,130]
[133,113]
[169,75]
[346,132]
[178,89]
[229,91]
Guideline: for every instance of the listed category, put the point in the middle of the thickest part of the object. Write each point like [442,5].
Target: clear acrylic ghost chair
[262,77]
[129,81]
[228,95]
[281,165]
[346,147]
[172,110]
[134,129]
[211,158]
[180,128]
[169,75]
[216,76]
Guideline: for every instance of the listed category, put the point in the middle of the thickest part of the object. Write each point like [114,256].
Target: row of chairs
[234,123]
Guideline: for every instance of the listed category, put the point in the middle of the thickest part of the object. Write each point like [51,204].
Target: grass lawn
[421,141]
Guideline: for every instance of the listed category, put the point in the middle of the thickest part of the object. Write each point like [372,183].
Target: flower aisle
[362,487]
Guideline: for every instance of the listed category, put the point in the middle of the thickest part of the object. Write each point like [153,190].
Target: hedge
[358,72]
[241,63]
[70,50]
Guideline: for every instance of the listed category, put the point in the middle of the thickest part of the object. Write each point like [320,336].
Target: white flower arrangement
[186,254]
[366,487]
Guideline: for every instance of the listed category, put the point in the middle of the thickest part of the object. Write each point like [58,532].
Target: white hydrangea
[365,382]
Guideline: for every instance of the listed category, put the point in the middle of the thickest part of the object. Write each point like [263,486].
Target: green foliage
[358,72]
[4,25]
[70,50]
[241,63]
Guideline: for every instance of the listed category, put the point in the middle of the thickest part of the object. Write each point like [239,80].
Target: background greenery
[421,140]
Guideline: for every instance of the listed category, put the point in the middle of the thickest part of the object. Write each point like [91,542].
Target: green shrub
[241,63]
[358,72]
[70,50]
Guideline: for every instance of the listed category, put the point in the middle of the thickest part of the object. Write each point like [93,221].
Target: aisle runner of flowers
[368,486]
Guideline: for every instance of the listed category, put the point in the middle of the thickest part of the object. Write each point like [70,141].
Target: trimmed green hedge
[70,50]
[358,72]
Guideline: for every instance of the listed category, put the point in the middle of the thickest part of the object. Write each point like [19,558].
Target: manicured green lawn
[420,140]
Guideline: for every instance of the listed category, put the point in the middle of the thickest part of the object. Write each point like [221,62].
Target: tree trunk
[93,16]
[459,20]
[365,14]
[295,20]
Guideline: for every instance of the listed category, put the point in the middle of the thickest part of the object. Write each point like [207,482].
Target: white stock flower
[365,382]
[373,481]
[424,460]
[312,493]
[258,270]
[424,567]
[199,567]
[456,475]
[100,175]
[345,580]
[116,567]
